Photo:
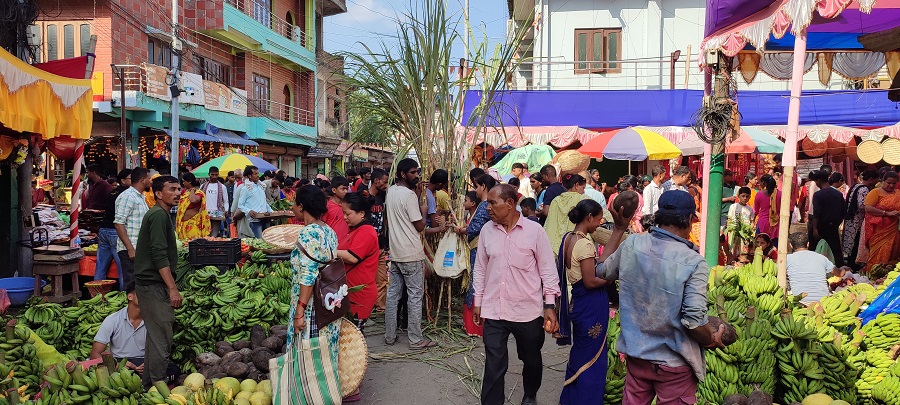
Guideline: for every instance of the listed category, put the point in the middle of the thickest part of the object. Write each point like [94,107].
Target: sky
[370,21]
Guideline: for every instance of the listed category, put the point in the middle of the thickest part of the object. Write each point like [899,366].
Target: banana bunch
[797,355]
[840,375]
[863,288]
[756,286]
[20,357]
[223,306]
[74,385]
[883,332]
[887,391]
[258,257]
[615,372]
[771,303]
[615,381]
[722,377]
[162,396]
[754,348]
[867,381]
[841,308]
[257,244]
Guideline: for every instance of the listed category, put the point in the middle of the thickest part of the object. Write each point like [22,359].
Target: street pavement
[449,373]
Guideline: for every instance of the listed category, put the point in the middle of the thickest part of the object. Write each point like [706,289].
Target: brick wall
[301,89]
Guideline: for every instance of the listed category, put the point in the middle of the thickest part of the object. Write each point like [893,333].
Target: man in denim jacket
[662,288]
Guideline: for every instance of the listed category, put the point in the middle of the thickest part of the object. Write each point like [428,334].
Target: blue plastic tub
[19,289]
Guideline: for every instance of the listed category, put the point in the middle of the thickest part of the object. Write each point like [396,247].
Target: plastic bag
[887,302]
[451,257]
[4,302]
[823,249]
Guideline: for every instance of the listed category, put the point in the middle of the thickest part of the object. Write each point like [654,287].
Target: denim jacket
[662,284]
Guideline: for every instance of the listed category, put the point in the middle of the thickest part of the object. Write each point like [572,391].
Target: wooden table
[56,268]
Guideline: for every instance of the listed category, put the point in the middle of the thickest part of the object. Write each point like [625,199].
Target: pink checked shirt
[515,273]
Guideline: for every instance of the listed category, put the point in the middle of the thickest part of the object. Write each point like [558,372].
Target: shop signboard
[211,95]
[157,87]
[238,101]
[318,152]
[193,89]
[360,155]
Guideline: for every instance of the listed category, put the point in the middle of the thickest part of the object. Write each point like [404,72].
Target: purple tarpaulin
[722,13]
[608,109]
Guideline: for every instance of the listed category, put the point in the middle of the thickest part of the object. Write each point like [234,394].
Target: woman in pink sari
[882,216]
[767,205]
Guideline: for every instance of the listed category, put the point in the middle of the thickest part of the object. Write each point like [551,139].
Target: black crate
[202,252]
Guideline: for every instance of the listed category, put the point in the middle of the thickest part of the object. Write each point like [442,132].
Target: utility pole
[173,89]
[716,164]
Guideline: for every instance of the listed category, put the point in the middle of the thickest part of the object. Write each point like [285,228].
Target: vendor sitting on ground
[124,335]
[123,332]
[807,271]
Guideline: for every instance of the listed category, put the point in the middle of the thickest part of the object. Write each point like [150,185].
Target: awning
[517,136]
[226,136]
[193,136]
[32,100]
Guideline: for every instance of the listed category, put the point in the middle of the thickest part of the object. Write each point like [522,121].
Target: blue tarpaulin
[607,109]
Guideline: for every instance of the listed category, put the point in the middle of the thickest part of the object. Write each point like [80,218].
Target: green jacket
[156,248]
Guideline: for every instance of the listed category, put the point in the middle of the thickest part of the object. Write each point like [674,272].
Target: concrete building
[249,70]
[620,45]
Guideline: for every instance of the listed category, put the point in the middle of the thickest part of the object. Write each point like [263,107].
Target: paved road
[449,373]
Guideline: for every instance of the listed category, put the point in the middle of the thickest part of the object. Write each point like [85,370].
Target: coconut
[229,384]
[260,398]
[194,381]
[248,385]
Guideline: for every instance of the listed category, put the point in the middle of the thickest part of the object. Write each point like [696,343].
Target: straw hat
[870,152]
[353,357]
[891,148]
[282,236]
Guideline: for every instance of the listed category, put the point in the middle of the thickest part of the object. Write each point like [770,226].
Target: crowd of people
[546,251]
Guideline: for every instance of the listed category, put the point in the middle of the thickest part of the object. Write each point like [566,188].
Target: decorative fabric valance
[32,100]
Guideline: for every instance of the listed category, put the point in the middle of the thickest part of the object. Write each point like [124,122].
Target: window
[214,71]
[52,44]
[597,50]
[261,12]
[159,53]
[68,41]
[261,94]
[85,34]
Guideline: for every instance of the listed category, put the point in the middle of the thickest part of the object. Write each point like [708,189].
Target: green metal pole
[714,206]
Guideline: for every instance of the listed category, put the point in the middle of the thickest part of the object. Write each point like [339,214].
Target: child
[764,242]
[529,208]
[740,216]
[470,203]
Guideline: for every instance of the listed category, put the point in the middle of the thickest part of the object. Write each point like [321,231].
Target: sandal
[423,344]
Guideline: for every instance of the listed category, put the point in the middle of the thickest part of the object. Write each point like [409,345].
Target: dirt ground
[449,373]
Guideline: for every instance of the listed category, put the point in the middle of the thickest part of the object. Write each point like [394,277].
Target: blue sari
[583,323]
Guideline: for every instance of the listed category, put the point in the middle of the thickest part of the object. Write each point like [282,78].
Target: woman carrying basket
[316,244]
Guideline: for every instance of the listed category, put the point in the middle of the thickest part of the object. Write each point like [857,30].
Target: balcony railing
[258,11]
[279,111]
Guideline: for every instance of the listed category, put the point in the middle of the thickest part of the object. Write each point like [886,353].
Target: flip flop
[423,344]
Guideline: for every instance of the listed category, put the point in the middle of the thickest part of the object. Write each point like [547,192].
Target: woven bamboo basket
[891,147]
[353,357]
[813,149]
[571,161]
[283,237]
[870,152]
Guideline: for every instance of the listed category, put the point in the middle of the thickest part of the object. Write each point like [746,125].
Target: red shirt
[335,219]
[362,243]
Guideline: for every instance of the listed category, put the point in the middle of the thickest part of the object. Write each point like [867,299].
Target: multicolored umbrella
[631,144]
[228,163]
[751,140]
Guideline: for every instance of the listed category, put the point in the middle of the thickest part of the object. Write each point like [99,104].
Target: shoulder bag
[330,293]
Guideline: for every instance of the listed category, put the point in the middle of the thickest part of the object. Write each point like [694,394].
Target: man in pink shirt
[516,285]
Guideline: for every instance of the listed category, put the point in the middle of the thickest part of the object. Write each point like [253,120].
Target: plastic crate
[202,252]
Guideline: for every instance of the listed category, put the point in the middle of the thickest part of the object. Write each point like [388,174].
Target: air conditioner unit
[33,35]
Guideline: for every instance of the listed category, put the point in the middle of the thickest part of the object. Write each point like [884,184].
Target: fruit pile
[223,307]
[257,244]
[72,327]
[244,358]
[197,390]
[20,360]
[96,385]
